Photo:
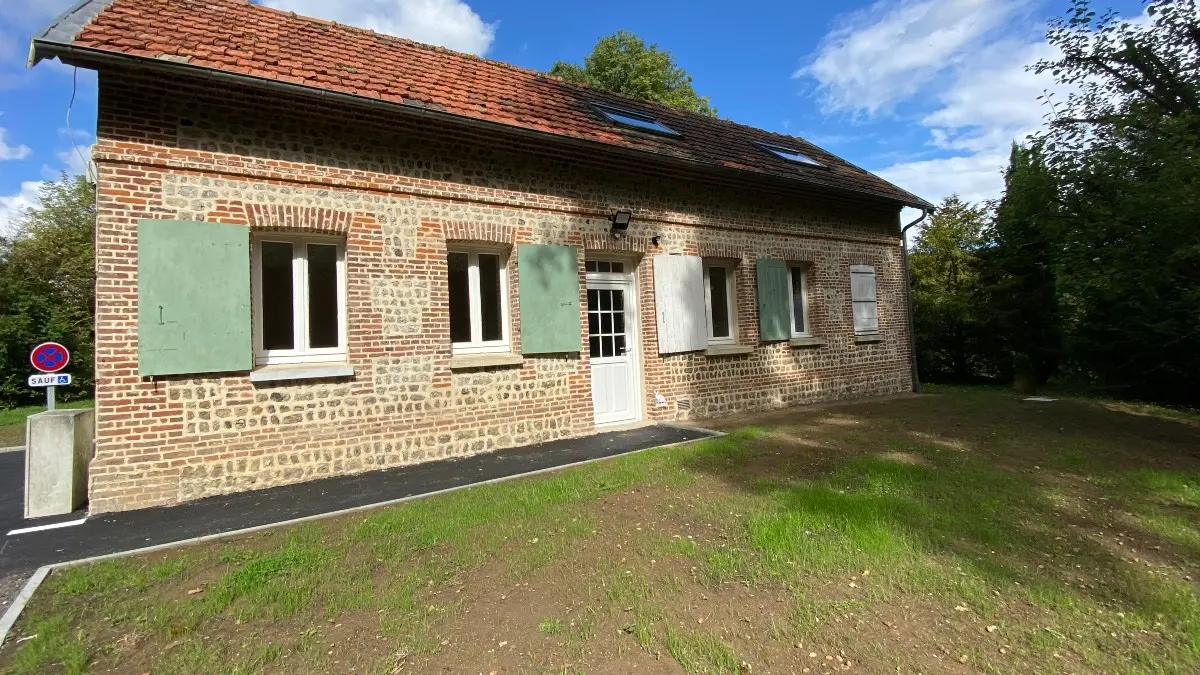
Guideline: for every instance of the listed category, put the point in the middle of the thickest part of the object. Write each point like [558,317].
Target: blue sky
[927,93]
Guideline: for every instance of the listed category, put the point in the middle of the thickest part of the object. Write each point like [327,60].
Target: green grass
[699,652]
[1072,527]
[12,420]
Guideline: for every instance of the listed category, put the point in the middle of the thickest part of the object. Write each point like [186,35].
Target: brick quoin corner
[399,191]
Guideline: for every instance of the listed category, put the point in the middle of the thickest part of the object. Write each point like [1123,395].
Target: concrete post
[58,447]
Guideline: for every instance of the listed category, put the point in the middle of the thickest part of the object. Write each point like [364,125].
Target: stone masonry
[399,191]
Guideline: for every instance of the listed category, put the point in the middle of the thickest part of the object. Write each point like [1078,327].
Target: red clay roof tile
[237,36]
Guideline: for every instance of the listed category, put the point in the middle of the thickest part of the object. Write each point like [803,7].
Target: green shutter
[193,298]
[774,301]
[548,278]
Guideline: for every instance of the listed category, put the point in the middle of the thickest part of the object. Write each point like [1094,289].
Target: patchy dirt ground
[960,532]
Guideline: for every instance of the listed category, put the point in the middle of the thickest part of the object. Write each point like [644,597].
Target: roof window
[635,120]
[789,154]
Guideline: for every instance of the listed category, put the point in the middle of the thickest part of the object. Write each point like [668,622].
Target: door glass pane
[606,300]
[719,294]
[798,298]
[489,297]
[619,322]
[594,344]
[618,299]
[322,296]
[606,323]
[590,266]
[619,342]
[460,298]
[619,268]
[593,323]
[607,346]
[277,309]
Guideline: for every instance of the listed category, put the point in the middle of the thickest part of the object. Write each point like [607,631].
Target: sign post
[49,358]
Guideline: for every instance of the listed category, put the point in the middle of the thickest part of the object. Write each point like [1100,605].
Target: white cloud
[13,206]
[980,113]
[448,23]
[75,158]
[961,61]
[891,51]
[11,151]
[988,106]
[78,161]
[974,177]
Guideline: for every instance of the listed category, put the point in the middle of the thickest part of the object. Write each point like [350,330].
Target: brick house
[321,250]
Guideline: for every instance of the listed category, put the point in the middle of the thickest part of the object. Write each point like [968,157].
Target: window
[629,118]
[789,154]
[478,283]
[719,302]
[798,283]
[299,299]
[604,266]
[862,292]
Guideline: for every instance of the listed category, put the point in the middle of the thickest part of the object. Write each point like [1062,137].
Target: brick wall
[399,190]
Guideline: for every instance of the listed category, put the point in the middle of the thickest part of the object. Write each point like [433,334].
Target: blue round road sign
[50,357]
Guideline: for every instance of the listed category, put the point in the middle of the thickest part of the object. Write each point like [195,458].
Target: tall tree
[623,64]
[1125,150]
[47,287]
[1019,273]
[944,267]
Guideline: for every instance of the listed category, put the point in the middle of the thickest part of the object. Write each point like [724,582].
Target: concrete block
[58,447]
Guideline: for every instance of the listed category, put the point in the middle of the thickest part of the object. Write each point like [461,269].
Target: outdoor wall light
[620,223]
[656,239]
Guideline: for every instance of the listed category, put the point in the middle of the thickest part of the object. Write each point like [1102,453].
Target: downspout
[912,336]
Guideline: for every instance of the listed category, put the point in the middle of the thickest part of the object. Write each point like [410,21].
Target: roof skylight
[789,154]
[636,120]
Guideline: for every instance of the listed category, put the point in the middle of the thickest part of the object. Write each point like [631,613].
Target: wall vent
[683,404]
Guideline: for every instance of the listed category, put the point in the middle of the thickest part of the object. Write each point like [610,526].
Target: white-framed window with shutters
[866,306]
[478,286]
[720,303]
[299,293]
[798,286]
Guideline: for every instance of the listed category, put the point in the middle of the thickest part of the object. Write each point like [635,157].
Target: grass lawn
[12,421]
[964,531]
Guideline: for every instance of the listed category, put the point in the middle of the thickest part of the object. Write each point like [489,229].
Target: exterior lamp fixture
[620,223]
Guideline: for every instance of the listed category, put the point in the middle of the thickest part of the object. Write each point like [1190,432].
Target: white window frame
[804,269]
[477,345]
[301,353]
[864,269]
[730,274]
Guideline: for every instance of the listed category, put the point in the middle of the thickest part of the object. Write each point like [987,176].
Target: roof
[269,46]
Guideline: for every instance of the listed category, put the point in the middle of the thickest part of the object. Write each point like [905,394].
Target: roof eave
[86,57]
[67,26]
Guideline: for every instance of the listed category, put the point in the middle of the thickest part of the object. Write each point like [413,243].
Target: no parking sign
[49,357]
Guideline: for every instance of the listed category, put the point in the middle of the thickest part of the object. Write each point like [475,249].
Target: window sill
[301,371]
[729,350]
[801,342]
[469,361]
[867,339]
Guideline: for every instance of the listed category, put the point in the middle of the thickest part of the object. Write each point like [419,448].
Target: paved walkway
[108,533]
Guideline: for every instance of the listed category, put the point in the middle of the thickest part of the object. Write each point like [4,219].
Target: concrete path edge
[14,611]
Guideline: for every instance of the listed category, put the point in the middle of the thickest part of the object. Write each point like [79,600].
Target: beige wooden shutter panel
[862,293]
[679,304]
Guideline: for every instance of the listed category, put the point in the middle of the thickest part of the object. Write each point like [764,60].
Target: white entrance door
[612,337]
